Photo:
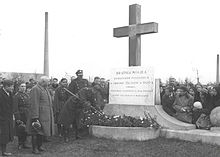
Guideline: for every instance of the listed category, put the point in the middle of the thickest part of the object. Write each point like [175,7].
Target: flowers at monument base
[95,117]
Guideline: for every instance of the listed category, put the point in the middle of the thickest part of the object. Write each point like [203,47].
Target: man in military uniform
[21,106]
[78,83]
[75,86]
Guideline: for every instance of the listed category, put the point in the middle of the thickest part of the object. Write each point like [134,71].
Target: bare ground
[95,147]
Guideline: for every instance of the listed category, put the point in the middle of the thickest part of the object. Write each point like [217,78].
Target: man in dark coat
[72,110]
[78,83]
[53,86]
[6,115]
[213,99]
[100,92]
[60,97]
[167,101]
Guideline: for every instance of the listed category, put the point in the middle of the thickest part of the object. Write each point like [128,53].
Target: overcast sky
[81,37]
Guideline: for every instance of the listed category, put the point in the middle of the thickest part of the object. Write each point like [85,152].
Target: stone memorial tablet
[132,86]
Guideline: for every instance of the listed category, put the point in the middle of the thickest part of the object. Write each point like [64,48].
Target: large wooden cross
[134,31]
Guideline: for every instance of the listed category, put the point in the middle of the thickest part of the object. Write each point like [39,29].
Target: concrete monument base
[143,134]
[196,135]
[124,133]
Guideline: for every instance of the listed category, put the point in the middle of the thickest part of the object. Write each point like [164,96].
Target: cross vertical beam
[134,39]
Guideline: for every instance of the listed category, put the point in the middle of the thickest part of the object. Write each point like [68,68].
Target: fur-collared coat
[6,117]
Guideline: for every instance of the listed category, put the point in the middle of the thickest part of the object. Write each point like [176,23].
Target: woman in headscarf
[183,105]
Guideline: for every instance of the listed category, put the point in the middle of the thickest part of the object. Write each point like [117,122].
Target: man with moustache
[41,114]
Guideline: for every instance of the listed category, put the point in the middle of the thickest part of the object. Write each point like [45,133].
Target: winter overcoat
[6,117]
[41,108]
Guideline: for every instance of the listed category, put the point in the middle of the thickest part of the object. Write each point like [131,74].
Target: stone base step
[206,136]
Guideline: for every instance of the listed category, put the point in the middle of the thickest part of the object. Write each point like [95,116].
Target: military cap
[79,72]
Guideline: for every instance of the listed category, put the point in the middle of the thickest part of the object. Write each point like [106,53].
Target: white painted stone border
[124,133]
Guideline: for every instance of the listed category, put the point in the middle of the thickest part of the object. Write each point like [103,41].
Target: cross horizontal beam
[145,28]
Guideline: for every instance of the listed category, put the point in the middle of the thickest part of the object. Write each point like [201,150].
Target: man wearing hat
[78,83]
[6,115]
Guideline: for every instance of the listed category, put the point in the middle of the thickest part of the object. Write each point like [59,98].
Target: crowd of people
[190,103]
[35,108]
